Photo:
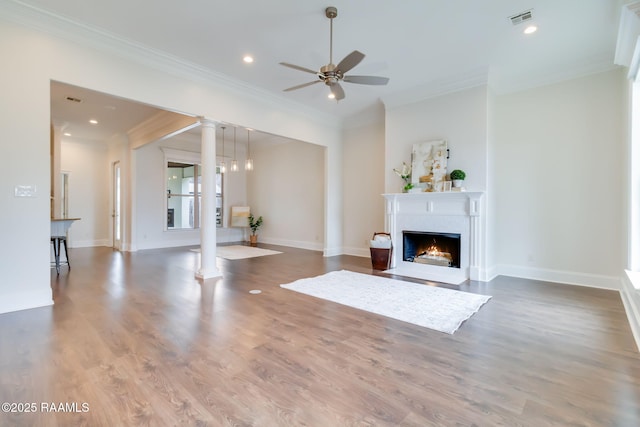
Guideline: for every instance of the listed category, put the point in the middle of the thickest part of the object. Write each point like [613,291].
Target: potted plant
[457,176]
[254,225]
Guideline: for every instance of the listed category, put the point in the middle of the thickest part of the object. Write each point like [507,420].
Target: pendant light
[248,164]
[234,162]
[223,165]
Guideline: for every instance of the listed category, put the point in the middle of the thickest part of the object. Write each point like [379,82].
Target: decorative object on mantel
[254,225]
[405,174]
[429,164]
[457,176]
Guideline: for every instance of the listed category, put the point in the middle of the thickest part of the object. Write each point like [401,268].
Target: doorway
[117,205]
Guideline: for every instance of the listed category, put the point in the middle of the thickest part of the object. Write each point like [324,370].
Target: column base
[208,274]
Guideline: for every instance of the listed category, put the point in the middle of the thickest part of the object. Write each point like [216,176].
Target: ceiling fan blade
[366,80]
[299,68]
[350,61]
[337,91]
[302,85]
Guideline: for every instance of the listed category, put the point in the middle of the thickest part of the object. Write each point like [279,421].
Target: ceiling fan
[331,74]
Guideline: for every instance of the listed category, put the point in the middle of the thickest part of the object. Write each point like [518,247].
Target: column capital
[204,122]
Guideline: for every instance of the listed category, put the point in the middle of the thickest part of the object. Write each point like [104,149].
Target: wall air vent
[72,99]
[522,17]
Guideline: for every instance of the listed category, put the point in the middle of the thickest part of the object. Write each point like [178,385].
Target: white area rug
[436,308]
[240,252]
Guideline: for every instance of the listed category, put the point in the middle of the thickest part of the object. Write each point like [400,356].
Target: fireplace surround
[450,213]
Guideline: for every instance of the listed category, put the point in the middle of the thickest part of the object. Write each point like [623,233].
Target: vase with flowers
[405,174]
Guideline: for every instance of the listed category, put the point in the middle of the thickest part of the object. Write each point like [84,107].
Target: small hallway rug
[435,308]
[240,252]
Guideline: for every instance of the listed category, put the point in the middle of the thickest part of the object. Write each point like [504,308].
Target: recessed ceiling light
[93,121]
[248,59]
[530,29]
[66,134]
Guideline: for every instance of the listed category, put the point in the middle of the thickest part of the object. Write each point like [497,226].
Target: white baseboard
[25,300]
[353,251]
[312,246]
[631,300]
[89,243]
[558,276]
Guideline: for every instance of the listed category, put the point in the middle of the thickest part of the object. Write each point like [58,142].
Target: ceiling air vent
[72,99]
[522,17]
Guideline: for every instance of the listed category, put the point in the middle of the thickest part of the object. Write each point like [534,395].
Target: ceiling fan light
[331,95]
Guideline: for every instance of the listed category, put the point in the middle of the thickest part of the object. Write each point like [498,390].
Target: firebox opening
[441,249]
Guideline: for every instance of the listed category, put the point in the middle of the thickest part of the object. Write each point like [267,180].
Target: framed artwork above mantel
[429,164]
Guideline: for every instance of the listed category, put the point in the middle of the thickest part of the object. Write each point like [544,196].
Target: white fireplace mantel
[448,212]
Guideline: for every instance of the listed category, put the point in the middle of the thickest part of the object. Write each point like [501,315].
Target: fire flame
[433,250]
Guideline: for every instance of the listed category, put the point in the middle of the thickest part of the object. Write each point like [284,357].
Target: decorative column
[208,268]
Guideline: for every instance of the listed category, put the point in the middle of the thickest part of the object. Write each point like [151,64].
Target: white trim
[61,26]
[89,243]
[630,294]
[628,31]
[559,276]
[359,252]
[301,244]
[25,300]
[434,89]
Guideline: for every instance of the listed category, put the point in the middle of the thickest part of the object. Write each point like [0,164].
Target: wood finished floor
[139,340]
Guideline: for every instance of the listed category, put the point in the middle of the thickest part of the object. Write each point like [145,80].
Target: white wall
[32,59]
[363,185]
[287,189]
[460,118]
[559,168]
[89,196]
[24,120]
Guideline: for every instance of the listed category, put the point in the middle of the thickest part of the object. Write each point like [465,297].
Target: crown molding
[81,34]
[436,88]
[594,65]
[628,32]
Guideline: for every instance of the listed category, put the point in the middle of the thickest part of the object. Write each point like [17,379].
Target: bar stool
[55,241]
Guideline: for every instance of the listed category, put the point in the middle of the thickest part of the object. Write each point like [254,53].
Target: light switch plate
[25,191]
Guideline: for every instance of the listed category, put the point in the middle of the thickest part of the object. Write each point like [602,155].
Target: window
[183,188]
[183,195]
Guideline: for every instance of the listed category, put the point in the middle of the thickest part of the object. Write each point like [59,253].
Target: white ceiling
[424,46]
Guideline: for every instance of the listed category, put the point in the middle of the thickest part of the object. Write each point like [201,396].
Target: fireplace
[454,219]
[424,247]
